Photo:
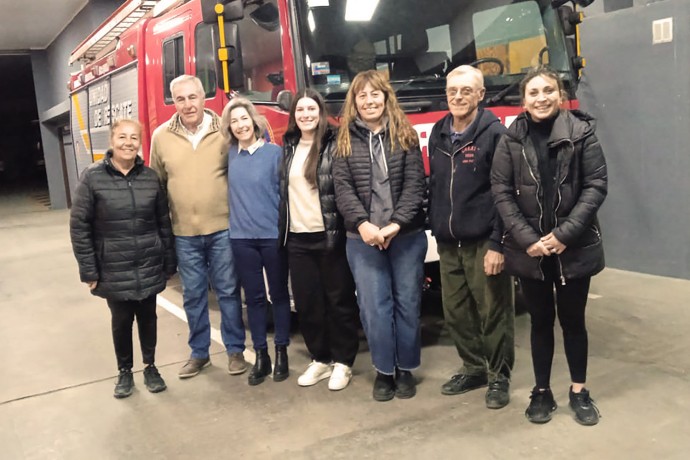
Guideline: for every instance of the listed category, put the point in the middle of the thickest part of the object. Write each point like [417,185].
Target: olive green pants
[478,310]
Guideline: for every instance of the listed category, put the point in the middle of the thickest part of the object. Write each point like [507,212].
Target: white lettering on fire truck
[104,116]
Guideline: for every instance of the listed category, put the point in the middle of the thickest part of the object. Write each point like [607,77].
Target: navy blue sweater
[254,192]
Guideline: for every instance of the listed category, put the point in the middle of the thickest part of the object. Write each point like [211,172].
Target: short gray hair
[185,78]
[467,69]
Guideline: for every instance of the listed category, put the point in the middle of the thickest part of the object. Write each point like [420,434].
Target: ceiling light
[360,10]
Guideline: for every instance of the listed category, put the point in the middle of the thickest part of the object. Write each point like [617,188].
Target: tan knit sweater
[196,180]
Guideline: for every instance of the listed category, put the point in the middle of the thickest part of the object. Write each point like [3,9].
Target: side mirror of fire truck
[266,16]
[232,10]
[284,99]
[569,21]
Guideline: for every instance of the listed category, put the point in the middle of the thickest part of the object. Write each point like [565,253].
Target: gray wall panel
[640,94]
[51,73]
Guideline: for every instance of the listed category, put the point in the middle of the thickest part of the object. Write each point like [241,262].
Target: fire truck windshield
[418,42]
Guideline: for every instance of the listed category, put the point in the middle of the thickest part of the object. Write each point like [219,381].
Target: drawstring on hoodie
[383,153]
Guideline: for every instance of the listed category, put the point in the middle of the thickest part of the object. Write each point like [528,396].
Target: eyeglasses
[464,91]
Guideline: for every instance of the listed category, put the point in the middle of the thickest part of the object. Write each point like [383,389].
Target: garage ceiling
[34,24]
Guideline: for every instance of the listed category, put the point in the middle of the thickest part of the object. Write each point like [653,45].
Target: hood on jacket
[362,131]
[570,124]
[484,119]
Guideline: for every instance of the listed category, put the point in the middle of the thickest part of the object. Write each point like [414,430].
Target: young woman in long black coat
[549,180]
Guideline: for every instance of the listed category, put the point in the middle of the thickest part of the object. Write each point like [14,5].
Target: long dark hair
[293,133]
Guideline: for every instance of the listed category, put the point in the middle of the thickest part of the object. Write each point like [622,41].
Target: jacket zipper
[134,233]
[450,191]
[555,217]
[541,208]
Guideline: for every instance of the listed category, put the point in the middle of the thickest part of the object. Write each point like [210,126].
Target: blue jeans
[201,259]
[253,256]
[389,292]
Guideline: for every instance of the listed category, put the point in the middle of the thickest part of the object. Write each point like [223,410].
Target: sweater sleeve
[156,163]
[81,230]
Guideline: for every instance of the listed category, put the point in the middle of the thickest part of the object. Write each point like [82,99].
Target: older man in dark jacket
[476,292]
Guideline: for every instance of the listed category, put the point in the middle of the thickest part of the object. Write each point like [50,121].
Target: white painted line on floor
[216,336]
[593,296]
[179,312]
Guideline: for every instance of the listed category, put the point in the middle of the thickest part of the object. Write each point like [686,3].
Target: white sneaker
[314,374]
[340,377]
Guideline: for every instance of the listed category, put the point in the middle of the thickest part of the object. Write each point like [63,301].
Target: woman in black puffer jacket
[312,230]
[548,180]
[122,239]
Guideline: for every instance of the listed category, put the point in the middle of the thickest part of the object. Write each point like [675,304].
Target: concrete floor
[56,391]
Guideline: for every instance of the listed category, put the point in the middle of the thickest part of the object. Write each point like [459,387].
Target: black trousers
[123,313]
[569,302]
[324,294]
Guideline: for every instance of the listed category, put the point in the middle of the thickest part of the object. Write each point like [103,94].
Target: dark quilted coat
[581,180]
[121,232]
[352,176]
[332,220]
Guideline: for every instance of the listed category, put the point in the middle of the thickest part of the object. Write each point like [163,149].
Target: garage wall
[640,94]
[51,73]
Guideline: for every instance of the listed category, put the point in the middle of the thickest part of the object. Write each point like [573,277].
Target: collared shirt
[254,147]
[201,131]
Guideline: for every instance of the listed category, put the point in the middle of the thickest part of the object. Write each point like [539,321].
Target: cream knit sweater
[196,180]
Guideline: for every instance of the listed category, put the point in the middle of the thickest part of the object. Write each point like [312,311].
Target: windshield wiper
[501,94]
[406,83]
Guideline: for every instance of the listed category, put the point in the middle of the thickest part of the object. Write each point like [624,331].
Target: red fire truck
[273,48]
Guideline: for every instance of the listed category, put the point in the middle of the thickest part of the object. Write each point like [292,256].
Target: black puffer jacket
[121,232]
[581,180]
[352,176]
[460,203]
[332,220]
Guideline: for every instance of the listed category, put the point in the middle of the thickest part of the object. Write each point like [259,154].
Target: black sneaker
[586,413]
[462,383]
[541,407]
[405,385]
[384,387]
[153,380]
[125,384]
[498,396]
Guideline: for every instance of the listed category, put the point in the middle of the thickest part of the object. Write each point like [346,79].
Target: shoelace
[588,402]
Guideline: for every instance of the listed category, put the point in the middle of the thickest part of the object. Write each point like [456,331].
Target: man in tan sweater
[189,156]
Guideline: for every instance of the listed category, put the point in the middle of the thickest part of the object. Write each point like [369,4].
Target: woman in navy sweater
[253,197]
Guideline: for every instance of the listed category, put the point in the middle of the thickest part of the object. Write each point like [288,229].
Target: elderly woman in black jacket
[379,188]
[548,180]
[122,239]
[313,231]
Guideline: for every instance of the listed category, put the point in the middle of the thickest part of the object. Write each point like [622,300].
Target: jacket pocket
[590,237]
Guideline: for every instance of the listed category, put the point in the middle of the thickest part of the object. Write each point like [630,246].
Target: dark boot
[281,371]
[261,369]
